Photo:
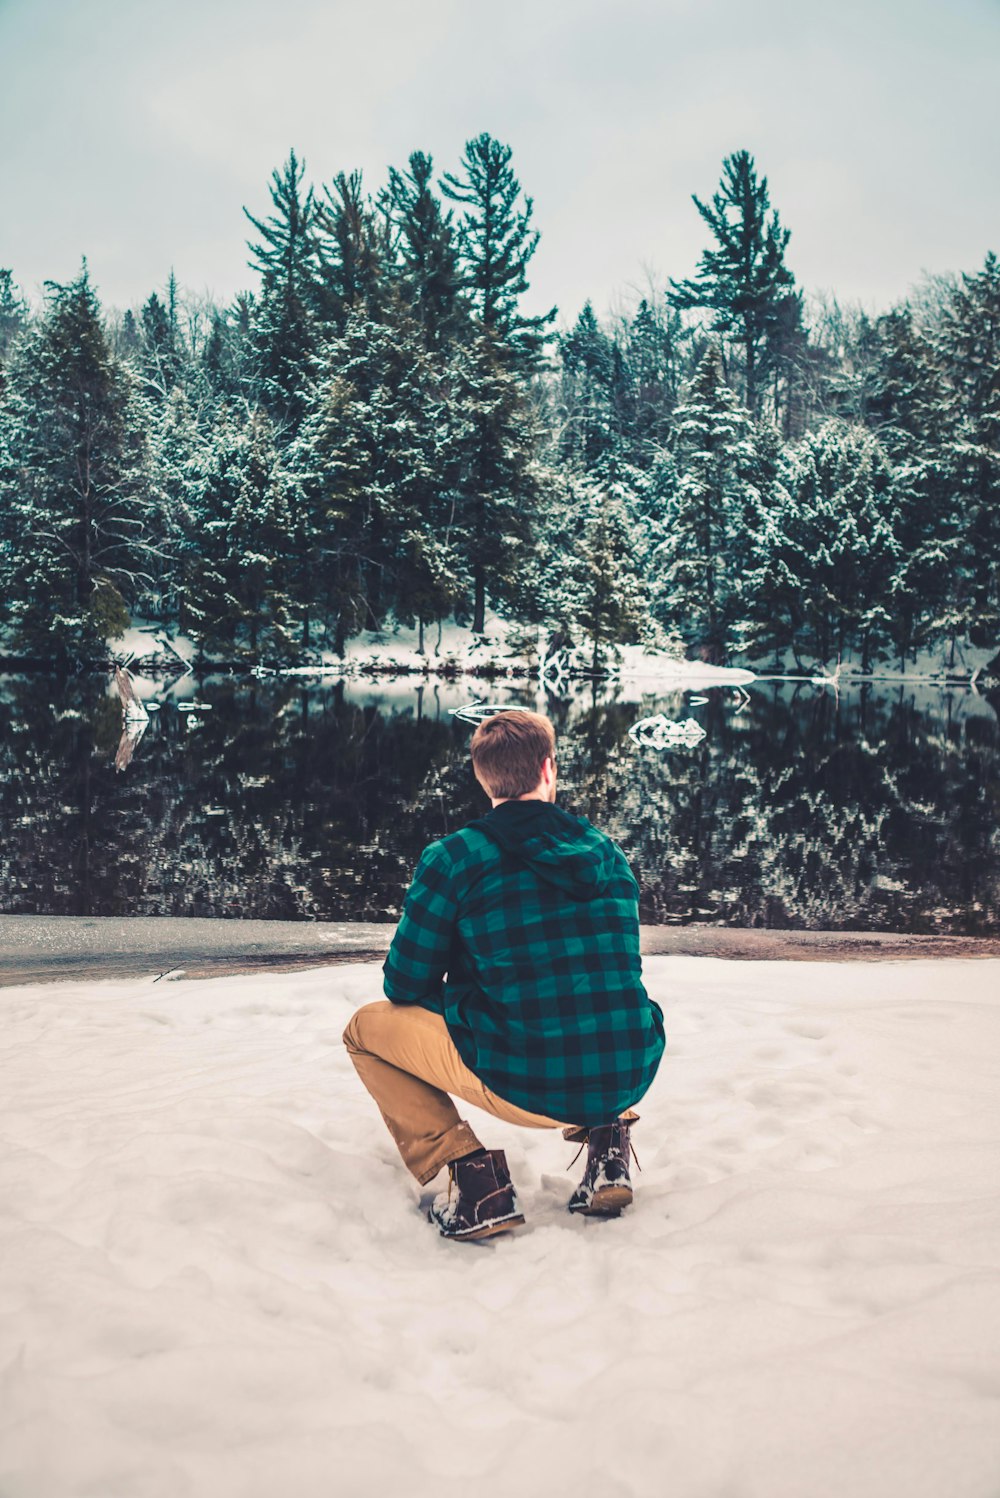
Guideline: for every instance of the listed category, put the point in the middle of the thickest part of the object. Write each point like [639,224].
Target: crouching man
[514,983]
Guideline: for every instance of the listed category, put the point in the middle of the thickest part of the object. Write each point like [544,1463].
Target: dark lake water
[873,810]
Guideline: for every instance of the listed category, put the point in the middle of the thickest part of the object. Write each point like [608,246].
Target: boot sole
[607,1202]
[486,1231]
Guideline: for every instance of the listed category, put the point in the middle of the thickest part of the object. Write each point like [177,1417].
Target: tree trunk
[479,607]
[751,373]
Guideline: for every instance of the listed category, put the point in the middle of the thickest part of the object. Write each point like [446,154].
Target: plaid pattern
[543,996]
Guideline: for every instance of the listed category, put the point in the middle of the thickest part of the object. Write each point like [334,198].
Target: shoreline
[47,949]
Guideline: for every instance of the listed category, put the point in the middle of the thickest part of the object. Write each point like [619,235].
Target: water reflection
[802,808]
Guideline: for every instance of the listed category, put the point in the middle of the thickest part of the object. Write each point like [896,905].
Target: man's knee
[360,1022]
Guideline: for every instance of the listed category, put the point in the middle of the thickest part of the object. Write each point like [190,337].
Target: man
[513,982]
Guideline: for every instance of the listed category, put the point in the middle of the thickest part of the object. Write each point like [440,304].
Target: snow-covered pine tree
[496,242]
[743,282]
[78,506]
[967,342]
[494,486]
[764,590]
[356,252]
[221,359]
[430,279]
[590,376]
[258,542]
[904,405]
[235,599]
[654,351]
[699,559]
[159,356]
[283,333]
[603,591]
[839,540]
[8,485]
[14,314]
[374,461]
[177,457]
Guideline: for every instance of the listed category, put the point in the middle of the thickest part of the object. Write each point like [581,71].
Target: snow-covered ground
[217,1278]
[504,648]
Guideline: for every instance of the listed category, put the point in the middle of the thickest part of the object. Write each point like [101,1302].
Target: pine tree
[496,242]
[839,540]
[356,252]
[744,282]
[604,595]
[78,505]
[13,314]
[374,462]
[765,592]
[495,483]
[177,456]
[236,587]
[591,379]
[282,324]
[159,353]
[430,280]
[698,561]
[904,405]
[968,344]
[654,339]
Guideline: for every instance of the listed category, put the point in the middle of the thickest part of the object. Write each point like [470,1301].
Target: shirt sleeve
[421,948]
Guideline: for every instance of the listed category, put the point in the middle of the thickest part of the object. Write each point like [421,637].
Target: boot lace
[583,1146]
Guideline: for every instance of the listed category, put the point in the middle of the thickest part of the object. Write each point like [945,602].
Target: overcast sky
[134,133]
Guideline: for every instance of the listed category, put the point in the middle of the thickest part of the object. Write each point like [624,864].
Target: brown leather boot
[606,1186]
[481,1199]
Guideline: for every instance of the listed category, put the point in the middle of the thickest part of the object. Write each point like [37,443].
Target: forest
[377,432]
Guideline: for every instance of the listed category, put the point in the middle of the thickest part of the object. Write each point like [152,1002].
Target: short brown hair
[508,751]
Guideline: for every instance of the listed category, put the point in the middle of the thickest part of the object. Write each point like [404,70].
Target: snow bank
[507,649]
[656,667]
[217,1278]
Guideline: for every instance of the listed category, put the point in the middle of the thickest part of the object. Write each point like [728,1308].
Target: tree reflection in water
[873,810]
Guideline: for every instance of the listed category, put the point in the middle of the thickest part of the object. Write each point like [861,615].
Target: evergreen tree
[374,462]
[654,339]
[495,481]
[77,505]
[236,588]
[904,406]
[743,281]
[839,540]
[356,252]
[282,324]
[698,560]
[968,344]
[159,353]
[605,596]
[592,376]
[13,314]
[177,455]
[496,242]
[430,280]
[765,591]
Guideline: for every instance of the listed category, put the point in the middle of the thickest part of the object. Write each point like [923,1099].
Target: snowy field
[216,1278]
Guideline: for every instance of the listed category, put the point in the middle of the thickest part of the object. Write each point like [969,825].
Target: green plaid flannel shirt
[542,993]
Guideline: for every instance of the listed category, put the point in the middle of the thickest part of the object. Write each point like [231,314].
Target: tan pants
[408,1061]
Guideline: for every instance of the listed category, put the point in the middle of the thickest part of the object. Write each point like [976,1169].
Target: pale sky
[134,133]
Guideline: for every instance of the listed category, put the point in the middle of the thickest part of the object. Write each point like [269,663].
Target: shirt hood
[563,850]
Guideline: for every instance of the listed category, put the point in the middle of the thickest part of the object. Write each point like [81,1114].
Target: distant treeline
[378,432]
